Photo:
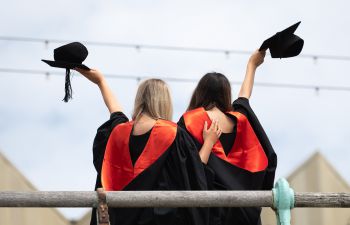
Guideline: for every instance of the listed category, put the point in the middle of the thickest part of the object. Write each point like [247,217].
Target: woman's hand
[93,75]
[212,134]
[257,58]
[210,137]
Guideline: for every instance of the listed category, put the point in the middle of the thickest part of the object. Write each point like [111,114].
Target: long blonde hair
[153,99]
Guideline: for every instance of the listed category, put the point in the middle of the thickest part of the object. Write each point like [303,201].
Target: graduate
[148,153]
[242,158]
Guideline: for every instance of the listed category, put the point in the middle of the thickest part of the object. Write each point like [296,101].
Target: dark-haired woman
[148,153]
[242,158]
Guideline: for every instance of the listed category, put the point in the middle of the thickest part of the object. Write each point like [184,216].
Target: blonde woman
[148,153]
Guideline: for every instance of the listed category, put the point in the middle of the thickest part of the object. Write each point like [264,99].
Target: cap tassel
[68,87]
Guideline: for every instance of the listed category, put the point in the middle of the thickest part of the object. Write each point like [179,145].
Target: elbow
[244,94]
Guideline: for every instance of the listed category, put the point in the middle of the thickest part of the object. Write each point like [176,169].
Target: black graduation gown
[178,168]
[242,105]
[222,175]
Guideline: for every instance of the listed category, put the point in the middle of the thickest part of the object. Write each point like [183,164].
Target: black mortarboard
[284,44]
[69,56]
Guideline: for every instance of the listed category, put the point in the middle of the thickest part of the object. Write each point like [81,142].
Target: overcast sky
[50,141]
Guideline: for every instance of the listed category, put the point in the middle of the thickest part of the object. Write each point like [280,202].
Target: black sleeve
[183,166]
[209,173]
[99,147]
[182,170]
[181,123]
[242,105]
[102,136]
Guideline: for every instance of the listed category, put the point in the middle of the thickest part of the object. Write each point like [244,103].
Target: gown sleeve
[189,168]
[102,135]
[99,146]
[182,170]
[242,105]
[209,173]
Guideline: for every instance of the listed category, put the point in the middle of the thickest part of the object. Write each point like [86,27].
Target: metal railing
[281,198]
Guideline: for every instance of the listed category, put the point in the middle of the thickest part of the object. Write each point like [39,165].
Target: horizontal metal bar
[322,200]
[137,199]
[167,199]
[48,199]
[194,199]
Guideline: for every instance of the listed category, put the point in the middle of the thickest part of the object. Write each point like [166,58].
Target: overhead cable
[164,47]
[183,80]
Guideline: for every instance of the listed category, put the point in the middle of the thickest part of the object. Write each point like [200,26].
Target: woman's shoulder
[104,130]
[198,110]
[241,101]
[167,123]
[118,116]
[242,105]
[195,116]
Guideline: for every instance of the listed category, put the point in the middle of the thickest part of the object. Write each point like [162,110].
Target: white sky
[50,141]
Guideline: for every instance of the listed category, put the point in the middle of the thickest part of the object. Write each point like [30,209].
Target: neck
[144,118]
[143,124]
[215,109]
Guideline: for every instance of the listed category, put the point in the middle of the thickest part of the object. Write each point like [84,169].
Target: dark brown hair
[213,89]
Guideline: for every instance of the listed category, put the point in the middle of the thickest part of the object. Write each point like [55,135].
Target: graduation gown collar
[246,153]
[117,169]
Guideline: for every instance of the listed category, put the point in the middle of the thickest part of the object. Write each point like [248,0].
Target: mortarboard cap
[69,56]
[284,44]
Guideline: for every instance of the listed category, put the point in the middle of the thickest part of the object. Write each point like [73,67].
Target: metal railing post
[283,201]
[102,208]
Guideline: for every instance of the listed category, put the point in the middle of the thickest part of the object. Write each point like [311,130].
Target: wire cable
[183,80]
[164,47]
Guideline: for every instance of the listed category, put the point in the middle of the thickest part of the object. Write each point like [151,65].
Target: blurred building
[12,180]
[315,175]
[85,220]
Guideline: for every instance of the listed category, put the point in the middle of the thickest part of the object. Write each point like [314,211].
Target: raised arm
[255,60]
[97,77]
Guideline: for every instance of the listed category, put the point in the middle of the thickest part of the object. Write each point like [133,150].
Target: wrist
[251,66]
[209,143]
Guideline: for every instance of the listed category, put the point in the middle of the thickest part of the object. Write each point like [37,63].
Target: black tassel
[68,87]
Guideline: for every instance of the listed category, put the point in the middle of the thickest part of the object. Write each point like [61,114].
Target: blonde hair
[153,99]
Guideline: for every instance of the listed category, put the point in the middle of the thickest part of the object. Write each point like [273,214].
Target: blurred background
[302,102]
